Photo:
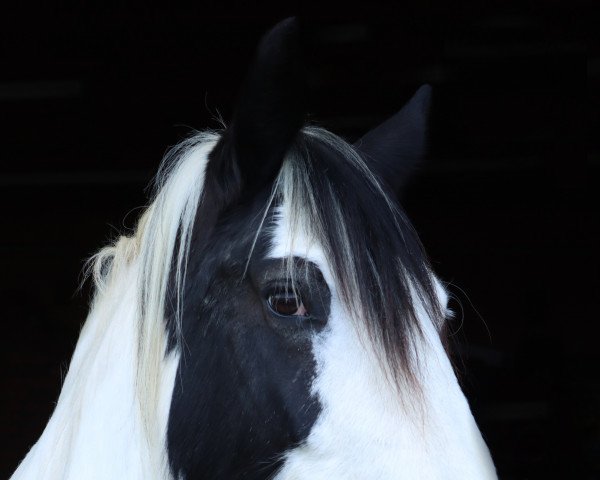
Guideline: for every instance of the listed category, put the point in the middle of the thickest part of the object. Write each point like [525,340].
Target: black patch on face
[242,391]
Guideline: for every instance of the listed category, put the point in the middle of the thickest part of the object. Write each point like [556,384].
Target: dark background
[91,98]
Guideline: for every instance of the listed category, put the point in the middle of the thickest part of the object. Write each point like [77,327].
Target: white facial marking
[365,430]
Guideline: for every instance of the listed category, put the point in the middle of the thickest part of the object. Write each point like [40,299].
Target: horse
[273,315]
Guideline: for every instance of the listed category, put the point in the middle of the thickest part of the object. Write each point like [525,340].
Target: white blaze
[365,430]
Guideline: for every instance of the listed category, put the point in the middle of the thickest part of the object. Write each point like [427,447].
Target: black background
[91,97]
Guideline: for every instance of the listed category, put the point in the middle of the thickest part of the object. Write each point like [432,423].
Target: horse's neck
[96,429]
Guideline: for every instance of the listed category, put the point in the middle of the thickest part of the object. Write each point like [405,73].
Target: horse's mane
[378,264]
[159,248]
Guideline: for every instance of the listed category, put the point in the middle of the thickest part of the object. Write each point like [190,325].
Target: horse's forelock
[377,262]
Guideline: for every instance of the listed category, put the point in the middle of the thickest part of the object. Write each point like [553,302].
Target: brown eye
[287,305]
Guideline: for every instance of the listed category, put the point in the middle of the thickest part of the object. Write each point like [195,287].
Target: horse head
[274,314]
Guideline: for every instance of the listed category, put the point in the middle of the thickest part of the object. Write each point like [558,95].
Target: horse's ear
[270,108]
[395,148]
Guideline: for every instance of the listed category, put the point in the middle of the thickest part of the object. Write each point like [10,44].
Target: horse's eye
[287,304]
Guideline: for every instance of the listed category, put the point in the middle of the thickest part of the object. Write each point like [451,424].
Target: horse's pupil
[287,305]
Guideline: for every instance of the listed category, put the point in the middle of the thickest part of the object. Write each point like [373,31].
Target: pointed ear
[395,148]
[269,111]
